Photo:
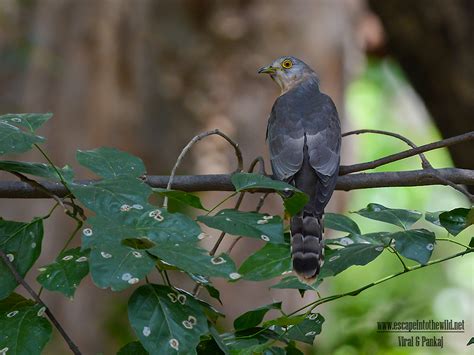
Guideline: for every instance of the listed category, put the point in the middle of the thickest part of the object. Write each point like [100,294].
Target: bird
[304,140]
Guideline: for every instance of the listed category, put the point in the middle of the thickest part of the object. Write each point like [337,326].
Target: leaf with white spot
[254,317]
[293,199]
[106,197]
[247,224]
[165,320]
[191,258]
[37,169]
[454,221]
[415,244]
[399,217]
[111,162]
[306,330]
[378,238]
[17,131]
[21,242]
[341,223]
[137,223]
[118,266]
[23,328]
[270,261]
[338,260]
[66,273]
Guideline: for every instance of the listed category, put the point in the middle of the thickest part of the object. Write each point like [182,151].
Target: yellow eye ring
[287,64]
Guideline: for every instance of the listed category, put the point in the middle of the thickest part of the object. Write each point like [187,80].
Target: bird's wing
[285,140]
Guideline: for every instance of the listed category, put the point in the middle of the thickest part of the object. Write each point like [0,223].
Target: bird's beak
[267,70]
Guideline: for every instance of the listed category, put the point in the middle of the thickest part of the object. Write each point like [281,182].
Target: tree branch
[222,182]
[33,294]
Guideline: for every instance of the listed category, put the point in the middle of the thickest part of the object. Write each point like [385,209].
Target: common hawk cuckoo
[304,137]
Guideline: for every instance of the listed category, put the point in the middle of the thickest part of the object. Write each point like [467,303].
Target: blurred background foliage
[146,75]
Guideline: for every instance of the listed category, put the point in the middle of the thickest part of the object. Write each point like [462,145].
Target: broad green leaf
[341,223]
[110,197]
[66,273]
[243,342]
[147,224]
[30,121]
[354,254]
[37,169]
[307,329]
[217,339]
[415,244]
[285,321]
[118,266]
[111,163]
[270,261]
[247,224]
[13,139]
[291,349]
[23,328]
[181,197]
[133,348]
[165,320]
[378,238]
[398,217]
[209,346]
[274,350]
[191,258]
[293,199]
[292,282]
[454,221]
[254,317]
[21,242]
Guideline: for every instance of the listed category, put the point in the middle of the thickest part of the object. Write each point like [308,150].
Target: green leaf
[292,282]
[470,342]
[165,320]
[249,341]
[16,140]
[471,243]
[415,244]
[454,221]
[354,254]
[181,197]
[247,224]
[21,242]
[398,217]
[291,349]
[111,163]
[378,238]
[285,321]
[253,318]
[307,329]
[118,267]
[133,348]
[37,169]
[216,336]
[341,223]
[191,258]
[66,273]
[109,197]
[293,199]
[23,329]
[148,225]
[270,261]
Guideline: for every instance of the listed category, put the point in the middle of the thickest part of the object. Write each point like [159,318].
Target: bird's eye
[287,64]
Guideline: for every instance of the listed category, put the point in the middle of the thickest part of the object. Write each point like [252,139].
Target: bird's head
[288,71]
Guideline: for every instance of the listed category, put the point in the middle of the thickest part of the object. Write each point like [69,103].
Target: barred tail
[307,248]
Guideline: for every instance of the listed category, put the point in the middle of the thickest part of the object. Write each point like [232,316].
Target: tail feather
[307,248]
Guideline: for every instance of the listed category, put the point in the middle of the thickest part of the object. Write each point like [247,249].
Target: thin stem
[238,154]
[454,242]
[221,203]
[405,267]
[73,234]
[36,297]
[378,282]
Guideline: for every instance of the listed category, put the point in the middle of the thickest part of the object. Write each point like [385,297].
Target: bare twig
[407,153]
[33,294]
[193,141]
[425,164]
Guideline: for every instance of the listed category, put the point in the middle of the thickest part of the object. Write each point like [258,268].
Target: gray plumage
[304,137]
